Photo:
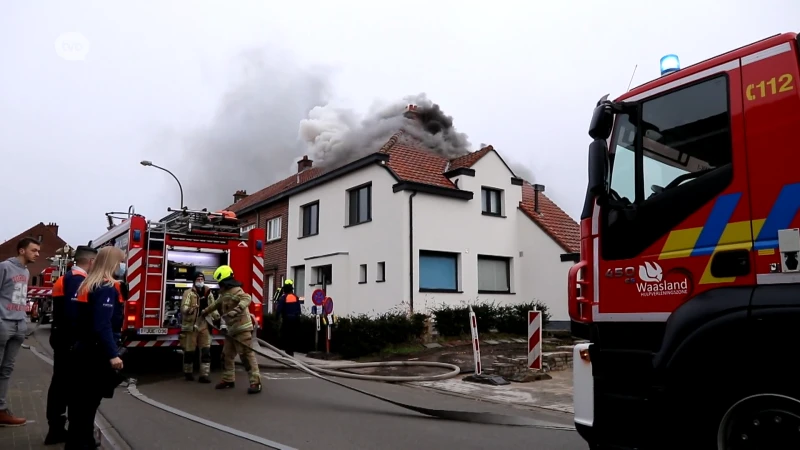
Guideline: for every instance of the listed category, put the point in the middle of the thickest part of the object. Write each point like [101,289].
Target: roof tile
[552,219]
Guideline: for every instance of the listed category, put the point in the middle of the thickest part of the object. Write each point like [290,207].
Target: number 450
[785,82]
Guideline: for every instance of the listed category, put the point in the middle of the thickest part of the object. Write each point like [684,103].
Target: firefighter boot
[8,420]
[56,435]
[204,379]
[188,376]
[225,385]
[254,388]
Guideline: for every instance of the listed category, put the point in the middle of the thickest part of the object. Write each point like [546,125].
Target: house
[405,228]
[47,235]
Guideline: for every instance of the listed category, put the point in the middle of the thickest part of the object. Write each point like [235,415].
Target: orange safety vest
[291,298]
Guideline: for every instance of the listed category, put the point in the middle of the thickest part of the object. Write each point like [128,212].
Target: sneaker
[204,379]
[8,420]
[225,385]
[254,388]
[188,376]
[55,436]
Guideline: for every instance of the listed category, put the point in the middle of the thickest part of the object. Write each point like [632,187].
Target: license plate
[159,331]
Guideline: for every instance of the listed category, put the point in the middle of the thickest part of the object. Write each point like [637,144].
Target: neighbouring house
[47,235]
[404,229]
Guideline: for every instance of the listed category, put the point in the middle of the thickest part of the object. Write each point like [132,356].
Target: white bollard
[535,339]
[476,348]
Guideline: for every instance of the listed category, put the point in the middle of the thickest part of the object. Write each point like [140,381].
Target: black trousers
[86,378]
[289,329]
[59,387]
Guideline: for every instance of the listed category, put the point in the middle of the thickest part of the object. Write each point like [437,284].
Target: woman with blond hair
[95,357]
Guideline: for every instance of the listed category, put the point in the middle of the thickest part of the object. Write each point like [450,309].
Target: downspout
[411,251]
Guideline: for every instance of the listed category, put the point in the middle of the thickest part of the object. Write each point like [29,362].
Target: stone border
[103,431]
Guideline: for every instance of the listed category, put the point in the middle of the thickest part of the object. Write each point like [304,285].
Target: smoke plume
[335,136]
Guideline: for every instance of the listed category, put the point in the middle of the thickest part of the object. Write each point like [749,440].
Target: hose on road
[316,370]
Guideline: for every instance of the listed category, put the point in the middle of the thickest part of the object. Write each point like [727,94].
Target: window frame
[380,272]
[280,224]
[487,199]
[353,208]
[507,261]
[318,278]
[362,274]
[434,253]
[247,228]
[297,281]
[303,211]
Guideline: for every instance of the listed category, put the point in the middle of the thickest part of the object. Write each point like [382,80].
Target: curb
[104,432]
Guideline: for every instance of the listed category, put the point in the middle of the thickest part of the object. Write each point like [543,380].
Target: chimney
[239,195]
[411,112]
[304,164]
[536,189]
[53,227]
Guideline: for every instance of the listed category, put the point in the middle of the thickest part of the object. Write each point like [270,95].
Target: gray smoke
[335,136]
[251,141]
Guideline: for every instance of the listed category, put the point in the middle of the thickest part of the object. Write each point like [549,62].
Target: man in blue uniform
[65,292]
[289,311]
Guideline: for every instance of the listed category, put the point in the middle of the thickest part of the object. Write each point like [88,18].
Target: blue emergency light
[669,64]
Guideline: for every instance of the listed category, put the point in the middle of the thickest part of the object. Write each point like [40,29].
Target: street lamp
[150,164]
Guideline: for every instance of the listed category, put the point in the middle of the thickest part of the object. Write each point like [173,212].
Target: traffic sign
[318,297]
[327,307]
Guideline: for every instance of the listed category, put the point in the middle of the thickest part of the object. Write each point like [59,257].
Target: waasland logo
[72,46]
[653,282]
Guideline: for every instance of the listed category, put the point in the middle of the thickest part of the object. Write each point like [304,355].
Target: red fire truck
[40,298]
[162,257]
[688,285]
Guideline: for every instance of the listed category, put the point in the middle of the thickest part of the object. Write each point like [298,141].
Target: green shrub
[453,321]
[513,319]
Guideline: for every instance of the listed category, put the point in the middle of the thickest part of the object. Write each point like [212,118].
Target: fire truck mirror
[598,166]
[602,121]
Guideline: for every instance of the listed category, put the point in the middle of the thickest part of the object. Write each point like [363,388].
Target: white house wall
[380,240]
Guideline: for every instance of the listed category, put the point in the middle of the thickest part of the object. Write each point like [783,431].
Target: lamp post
[150,164]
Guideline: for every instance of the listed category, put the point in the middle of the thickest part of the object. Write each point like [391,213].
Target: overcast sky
[173,81]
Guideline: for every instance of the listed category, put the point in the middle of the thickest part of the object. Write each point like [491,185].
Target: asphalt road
[307,413]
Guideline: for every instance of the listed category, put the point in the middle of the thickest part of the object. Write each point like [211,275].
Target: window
[683,132]
[310,215]
[41,238]
[300,280]
[381,272]
[494,274]
[359,205]
[491,201]
[274,229]
[324,273]
[248,227]
[362,274]
[438,271]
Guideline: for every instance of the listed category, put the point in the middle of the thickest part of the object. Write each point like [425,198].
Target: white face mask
[120,270]
[199,284]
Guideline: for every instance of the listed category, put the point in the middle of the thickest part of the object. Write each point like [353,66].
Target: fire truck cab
[162,257]
[688,285]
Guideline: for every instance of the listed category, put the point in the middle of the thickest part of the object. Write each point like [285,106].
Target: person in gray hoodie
[14,278]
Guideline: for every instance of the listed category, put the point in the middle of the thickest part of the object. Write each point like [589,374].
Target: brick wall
[274,251]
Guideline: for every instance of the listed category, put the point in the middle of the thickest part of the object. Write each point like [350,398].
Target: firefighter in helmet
[233,303]
[289,310]
[194,329]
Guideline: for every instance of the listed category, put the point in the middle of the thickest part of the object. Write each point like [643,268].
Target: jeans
[12,335]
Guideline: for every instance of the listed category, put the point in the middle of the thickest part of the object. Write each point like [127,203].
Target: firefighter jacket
[233,303]
[194,302]
[289,306]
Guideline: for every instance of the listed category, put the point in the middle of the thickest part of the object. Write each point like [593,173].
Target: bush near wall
[353,336]
[453,321]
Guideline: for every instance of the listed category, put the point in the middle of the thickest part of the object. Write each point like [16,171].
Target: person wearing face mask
[194,329]
[94,357]
[119,308]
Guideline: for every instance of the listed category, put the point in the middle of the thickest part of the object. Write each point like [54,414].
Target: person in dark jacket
[65,291]
[289,311]
[95,359]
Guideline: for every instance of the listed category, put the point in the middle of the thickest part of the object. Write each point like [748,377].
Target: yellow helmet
[223,272]
[288,282]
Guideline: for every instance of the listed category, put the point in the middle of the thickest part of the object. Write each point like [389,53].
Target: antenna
[632,75]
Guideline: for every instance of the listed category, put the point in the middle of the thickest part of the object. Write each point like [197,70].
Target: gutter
[411,251]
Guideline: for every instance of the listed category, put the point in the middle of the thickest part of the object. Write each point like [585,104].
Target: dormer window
[492,201]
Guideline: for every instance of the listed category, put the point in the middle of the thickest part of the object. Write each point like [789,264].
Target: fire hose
[337,370]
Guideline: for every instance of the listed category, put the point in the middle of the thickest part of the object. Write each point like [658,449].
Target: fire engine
[162,257]
[40,298]
[688,287]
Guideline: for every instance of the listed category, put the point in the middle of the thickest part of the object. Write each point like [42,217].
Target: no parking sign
[318,297]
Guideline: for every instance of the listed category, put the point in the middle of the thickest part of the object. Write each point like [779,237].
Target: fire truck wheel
[761,421]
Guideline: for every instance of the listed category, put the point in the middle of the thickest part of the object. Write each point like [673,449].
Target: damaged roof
[415,167]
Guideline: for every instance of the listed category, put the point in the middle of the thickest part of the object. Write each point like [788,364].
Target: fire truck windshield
[679,133]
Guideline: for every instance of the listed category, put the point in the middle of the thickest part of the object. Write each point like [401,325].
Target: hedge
[512,319]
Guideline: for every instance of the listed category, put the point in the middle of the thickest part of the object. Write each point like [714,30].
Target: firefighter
[289,311]
[65,292]
[233,302]
[194,330]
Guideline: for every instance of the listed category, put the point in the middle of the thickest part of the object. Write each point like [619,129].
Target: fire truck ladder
[187,221]
[156,232]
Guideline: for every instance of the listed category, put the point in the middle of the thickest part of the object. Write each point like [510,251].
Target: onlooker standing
[14,278]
